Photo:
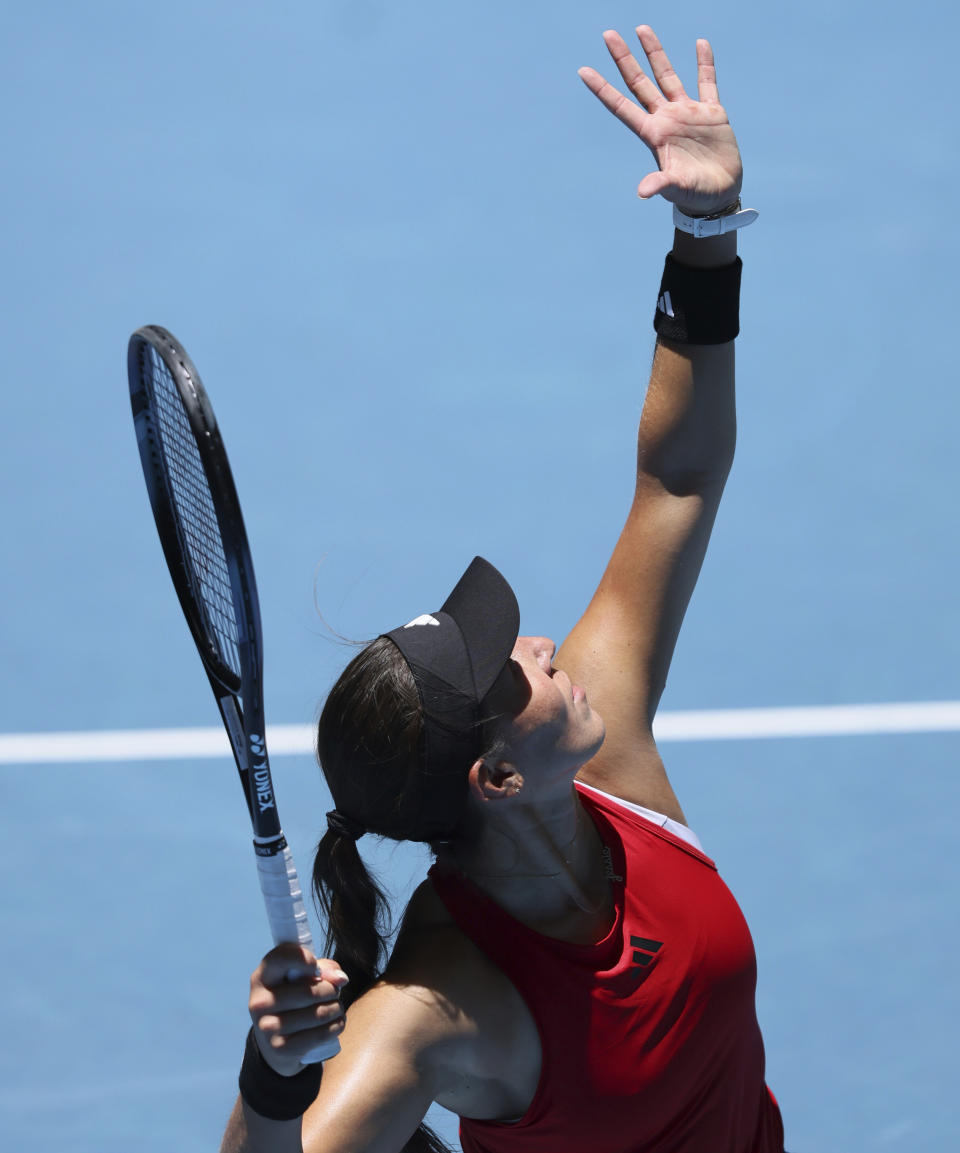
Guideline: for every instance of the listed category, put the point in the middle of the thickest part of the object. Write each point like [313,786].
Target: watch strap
[717,223]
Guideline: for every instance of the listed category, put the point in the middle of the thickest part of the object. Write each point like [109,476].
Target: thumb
[652,184]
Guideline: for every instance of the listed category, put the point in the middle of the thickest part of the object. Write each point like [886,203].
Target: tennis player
[573,976]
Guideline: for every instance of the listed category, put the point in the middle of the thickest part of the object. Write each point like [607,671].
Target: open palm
[698,161]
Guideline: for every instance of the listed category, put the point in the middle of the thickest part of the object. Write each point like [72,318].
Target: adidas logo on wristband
[665,304]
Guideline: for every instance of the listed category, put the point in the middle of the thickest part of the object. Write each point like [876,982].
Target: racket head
[195,507]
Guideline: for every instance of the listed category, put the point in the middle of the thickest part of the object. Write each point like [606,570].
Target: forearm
[709,252]
[688,426]
[248,1132]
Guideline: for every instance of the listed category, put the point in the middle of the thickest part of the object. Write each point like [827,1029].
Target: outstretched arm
[621,648]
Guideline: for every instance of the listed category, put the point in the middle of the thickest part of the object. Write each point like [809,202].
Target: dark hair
[368,742]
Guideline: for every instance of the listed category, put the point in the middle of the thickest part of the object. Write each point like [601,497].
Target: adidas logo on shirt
[644,950]
[644,954]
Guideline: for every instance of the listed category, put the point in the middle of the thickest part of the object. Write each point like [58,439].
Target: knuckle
[330,1012]
[260,1002]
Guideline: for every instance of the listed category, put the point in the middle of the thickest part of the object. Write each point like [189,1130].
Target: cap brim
[485,609]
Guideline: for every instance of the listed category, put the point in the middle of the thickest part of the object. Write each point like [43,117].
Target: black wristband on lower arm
[699,305]
[272,1095]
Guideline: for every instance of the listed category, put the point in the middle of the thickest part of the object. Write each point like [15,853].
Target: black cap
[456,655]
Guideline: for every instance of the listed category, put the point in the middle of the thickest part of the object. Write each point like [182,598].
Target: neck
[539,860]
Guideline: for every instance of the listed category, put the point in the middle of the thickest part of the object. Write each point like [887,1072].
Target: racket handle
[283,899]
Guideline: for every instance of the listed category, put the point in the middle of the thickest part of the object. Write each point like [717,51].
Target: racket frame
[244,722]
[239,695]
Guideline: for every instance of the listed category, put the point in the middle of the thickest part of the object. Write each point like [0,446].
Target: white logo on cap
[425,619]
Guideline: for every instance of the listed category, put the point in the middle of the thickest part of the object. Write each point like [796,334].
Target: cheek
[543,724]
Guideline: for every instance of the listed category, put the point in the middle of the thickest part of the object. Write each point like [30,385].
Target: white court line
[288,740]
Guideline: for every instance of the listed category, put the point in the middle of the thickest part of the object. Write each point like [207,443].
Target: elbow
[688,468]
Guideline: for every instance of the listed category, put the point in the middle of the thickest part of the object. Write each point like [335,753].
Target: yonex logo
[424,619]
[261,779]
[665,304]
[261,774]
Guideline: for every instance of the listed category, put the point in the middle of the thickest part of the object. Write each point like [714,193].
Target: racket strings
[195,515]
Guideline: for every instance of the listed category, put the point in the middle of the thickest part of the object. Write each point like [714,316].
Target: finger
[706,74]
[299,1020]
[289,962]
[660,65]
[290,996]
[625,110]
[295,1045]
[330,971]
[633,75]
[286,962]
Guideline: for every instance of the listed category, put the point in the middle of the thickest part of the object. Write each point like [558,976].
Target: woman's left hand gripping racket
[201,529]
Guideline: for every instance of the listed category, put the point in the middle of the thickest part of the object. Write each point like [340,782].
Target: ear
[494,782]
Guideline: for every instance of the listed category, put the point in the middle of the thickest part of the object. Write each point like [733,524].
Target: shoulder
[480,1025]
[405,1038]
[434,956]
[433,1028]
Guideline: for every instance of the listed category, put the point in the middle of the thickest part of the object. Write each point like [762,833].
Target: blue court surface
[404,251]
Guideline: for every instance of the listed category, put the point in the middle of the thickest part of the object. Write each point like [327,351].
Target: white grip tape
[283,899]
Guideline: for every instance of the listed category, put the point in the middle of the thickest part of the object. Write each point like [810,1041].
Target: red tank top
[649,1037]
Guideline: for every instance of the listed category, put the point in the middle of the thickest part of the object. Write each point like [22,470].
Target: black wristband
[272,1095]
[699,305]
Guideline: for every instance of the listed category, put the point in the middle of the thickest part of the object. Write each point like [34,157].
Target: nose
[542,649]
[545,645]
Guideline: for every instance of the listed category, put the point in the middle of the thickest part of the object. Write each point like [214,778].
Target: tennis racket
[201,530]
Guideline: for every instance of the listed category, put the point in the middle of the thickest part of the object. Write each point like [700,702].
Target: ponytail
[356,912]
[358,922]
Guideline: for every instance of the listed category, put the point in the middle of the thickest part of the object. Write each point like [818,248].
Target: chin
[599,731]
[598,742]
[590,745]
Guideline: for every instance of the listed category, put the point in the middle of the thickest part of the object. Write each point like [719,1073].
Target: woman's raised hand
[294,1005]
[699,167]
